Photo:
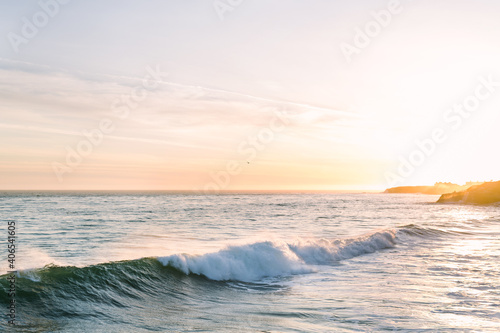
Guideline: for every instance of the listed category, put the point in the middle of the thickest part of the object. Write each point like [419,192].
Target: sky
[247,95]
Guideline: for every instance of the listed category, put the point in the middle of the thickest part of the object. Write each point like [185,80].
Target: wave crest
[255,261]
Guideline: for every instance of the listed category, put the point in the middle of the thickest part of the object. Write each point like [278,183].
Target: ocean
[164,262]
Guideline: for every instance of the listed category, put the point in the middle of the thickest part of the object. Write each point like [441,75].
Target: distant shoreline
[436,189]
[485,194]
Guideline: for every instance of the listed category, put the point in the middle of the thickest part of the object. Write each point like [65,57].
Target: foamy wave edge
[252,262]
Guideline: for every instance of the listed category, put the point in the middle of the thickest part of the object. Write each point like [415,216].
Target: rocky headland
[436,189]
[487,193]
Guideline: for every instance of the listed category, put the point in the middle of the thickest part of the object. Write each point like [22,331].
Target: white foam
[243,263]
[323,251]
[255,261]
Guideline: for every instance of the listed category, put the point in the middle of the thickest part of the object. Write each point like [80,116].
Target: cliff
[437,189]
[487,193]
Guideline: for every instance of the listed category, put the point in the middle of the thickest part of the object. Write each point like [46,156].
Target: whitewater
[146,262]
[268,259]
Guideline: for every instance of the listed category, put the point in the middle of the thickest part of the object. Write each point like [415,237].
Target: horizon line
[238,191]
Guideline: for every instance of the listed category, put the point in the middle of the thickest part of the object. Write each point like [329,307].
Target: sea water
[163,262]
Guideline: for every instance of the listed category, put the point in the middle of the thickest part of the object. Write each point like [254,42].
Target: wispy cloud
[191,126]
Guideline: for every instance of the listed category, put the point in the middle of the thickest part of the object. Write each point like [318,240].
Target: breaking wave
[268,259]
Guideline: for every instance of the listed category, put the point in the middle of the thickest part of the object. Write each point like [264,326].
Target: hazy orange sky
[265,98]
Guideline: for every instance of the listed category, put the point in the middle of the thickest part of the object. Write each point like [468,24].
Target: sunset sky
[264,98]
